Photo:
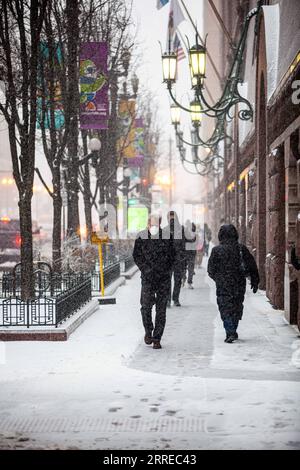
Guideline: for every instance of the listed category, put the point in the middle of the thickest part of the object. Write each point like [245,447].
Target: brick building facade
[259,189]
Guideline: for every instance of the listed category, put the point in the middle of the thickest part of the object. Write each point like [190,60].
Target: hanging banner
[94,105]
[127,128]
[44,101]
[139,144]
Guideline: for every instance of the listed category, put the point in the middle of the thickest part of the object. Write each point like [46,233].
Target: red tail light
[18,240]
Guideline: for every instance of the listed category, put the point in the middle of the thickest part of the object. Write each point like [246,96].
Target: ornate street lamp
[95,144]
[217,135]
[127,173]
[169,65]
[196,113]
[175,114]
[197,59]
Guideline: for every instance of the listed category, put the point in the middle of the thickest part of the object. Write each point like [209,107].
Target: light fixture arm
[231,95]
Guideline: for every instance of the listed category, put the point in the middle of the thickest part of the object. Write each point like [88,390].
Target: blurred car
[10,239]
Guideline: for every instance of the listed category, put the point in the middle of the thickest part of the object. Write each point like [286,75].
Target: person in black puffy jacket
[229,264]
[154,255]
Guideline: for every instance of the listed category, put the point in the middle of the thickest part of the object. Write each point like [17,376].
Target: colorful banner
[94,105]
[139,145]
[43,95]
[127,128]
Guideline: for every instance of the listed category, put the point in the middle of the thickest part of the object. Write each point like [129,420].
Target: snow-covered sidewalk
[105,389]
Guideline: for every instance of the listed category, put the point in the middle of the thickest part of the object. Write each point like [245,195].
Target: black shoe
[156,344]
[236,336]
[177,303]
[148,340]
[230,339]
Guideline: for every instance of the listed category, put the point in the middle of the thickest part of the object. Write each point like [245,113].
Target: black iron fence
[111,272]
[37,312]
[57,296]
[47,310]
[73,298]
[128,262]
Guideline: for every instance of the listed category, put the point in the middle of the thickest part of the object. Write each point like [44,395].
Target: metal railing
[111,273]
[47,311]
[76,296]
[128,262]
[57,296]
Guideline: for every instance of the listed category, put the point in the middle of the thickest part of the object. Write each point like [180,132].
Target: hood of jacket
[228,234]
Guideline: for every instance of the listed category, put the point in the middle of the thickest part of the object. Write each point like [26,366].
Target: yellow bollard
[99,241]
[101,268]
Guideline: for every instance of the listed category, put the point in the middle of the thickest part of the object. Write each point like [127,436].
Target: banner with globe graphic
[94,106]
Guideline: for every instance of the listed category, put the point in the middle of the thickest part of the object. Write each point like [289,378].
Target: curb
[130,273]
[61,333]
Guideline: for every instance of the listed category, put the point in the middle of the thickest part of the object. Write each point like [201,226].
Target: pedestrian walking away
[175,231]
[229,265]
[200,246]
[154,255]
[207,239]
[191,242]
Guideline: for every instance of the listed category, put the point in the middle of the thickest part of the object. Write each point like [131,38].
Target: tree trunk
[56,229]
[72,18]
[27,281]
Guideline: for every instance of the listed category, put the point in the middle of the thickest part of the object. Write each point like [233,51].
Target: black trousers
[190,268]
[154,293]
[178,275]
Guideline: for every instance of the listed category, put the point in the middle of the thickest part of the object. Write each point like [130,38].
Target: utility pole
[170,171]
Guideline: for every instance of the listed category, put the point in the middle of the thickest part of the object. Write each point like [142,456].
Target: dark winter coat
[176,235]
[154,255]
[294,260]
[225,267]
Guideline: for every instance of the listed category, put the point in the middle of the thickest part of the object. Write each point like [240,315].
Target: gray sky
[152,28]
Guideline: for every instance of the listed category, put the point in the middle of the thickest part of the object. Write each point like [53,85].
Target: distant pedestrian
[207,238]
[191,241]
[200,247]
[154,255]
[229,265]
[176,233]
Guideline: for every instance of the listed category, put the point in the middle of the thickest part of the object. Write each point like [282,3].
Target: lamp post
[95,144]
[169,66]
[197,63]
[196,114]
[197,60]
[175,114]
